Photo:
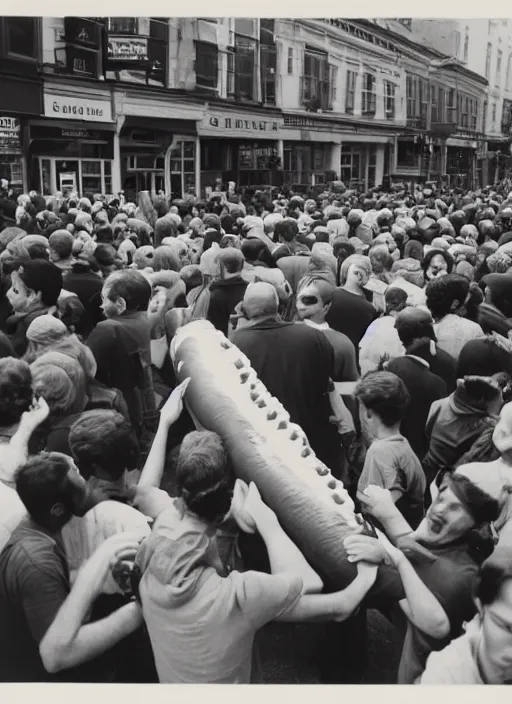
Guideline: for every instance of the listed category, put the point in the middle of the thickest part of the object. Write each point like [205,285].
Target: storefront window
[350,167]
[408,154]
[372,166]
[182,167]
[82,175]
[306,164]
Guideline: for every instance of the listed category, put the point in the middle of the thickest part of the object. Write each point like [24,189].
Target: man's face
[309,304]
[495,649]
[19,296]
[502,436]
[446,520]
[109,308]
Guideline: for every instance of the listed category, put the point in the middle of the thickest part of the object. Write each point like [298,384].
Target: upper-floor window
[466,45]
[123,25]
[389,99]
[21,36]
[451,106]
[497,79]
[290,60]
[350,93]
[473,113]
[315,80]
[268,56]
[206,65]
[488,61]
[417,97]
[369,95]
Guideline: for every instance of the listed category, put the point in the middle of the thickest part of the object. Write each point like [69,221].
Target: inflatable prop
[226,396]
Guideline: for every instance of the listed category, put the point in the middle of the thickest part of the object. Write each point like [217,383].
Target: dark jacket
[424,388]
[295,363]
[491,319]
[121,347]
[87,286]
[224,296]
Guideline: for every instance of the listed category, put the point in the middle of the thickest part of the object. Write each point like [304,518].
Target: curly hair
[433,253]
[103,439]
[16,392]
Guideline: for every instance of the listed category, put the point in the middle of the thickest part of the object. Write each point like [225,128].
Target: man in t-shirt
[42,636]
[435,588]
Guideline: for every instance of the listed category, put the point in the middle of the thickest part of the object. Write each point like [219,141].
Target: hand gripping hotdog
[226,396]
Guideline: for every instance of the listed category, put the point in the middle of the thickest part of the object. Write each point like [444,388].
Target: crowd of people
[130,552]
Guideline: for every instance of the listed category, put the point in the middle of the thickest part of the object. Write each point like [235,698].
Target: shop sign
[9,135]
[130,49]
[67,133]
[240,125]
[71,108]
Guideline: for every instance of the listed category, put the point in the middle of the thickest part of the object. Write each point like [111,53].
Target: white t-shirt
[455,664]
[12,511]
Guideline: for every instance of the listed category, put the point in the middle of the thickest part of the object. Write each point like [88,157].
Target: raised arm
[153,470]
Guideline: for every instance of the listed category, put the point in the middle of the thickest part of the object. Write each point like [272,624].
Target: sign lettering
[220,123]
[77,108]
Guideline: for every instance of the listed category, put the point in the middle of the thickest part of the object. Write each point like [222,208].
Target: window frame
[389,100]
[214,87]
[4,43]
[350,91]
[369,94]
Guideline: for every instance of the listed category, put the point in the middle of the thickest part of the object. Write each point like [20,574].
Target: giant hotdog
[225,395]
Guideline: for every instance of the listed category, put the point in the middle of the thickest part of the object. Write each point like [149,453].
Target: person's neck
[315,319]
[381,431]
[484,669]
[230,276]
[353,288]
[506,457]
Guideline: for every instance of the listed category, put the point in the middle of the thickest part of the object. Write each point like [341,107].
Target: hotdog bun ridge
[226,396]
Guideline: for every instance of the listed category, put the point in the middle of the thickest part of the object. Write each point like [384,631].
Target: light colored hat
[46,328]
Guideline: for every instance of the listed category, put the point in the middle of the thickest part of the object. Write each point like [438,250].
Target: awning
[158,124]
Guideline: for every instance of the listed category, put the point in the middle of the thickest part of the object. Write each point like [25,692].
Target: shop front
[244,148]
[20,98]
[461,162]
[71,148]
[150,149]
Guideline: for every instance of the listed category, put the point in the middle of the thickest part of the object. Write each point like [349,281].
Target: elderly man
[296,364]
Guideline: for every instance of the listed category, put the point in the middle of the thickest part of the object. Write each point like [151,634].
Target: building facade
[179,105]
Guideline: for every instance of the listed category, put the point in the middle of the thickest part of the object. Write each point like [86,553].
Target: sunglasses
[308,300]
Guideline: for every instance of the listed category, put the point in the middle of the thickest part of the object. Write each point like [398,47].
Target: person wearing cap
[442,562]
[296,364]
[496,311]
[483,654]
[228,289]
[380,341]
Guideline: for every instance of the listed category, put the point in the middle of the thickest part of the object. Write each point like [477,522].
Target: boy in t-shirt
[390,461]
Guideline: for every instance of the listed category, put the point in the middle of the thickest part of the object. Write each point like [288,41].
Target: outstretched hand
[173,407]
[37,414]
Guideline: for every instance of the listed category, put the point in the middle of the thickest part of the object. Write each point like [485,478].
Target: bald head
[260,299]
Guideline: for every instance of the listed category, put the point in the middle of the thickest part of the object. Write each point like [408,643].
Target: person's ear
[35,296]
[57,511]
[327,306]
[121,305]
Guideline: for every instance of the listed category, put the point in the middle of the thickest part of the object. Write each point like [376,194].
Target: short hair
[130,285]
[16,392]
[358,260]
[104,234]
[496,570]
[62,242]
[385,394]
[410,329]
[143,257]
[325,289]
[103,438]
[286,229]
[231,259]
[42,482]
[396,299]
[380,258]
[71,366]
[255,250]
[165,258]
[202,474]
[55,386]
[40,275]
[443,291]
